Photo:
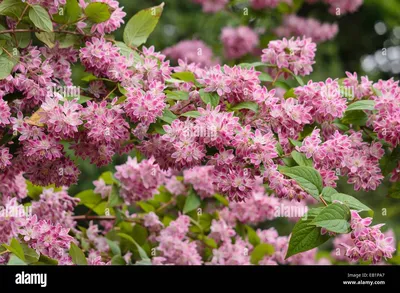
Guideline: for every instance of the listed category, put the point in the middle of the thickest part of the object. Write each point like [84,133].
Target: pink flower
[294,25]
[191,51]
[294,54]
[238,41]
[115,20]
[139,181]
[212,5]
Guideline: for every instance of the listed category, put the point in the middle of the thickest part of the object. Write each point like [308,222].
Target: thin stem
[22,15]
[165,205]
[5,251]
[102,218]
[323,200]
[276,77]
[109,94]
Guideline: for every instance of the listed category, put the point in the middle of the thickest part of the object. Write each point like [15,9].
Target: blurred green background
[368,43]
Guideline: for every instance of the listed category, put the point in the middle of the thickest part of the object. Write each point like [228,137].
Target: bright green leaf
[335,218]
[307,177]
[260,251]
[98,12]
[40,18]
[77,255]
[141,25]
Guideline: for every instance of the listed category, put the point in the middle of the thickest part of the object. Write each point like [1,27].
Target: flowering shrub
[215,150]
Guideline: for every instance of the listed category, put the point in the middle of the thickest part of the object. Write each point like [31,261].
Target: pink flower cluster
[238,41]
[324,100]
[368,243]
[339,7]
[386,119]
[113,23]
[139,181]
[342,155]
[201,178]
[294,25]
[56,207]
[104,60]
[296,55]
[191,51]
[175,247]
[212,6]
[50,240]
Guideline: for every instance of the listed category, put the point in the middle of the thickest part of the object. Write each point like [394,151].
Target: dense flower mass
[368,243]
[191,51]
[338,7]
[299,26]
[215,152]
[212,6]
[294,54]
[238,41]
[138,180]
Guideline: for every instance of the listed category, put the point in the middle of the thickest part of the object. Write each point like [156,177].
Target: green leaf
[307,177]
[185,76]
[282,84]
[335,218]
[301,159]
[297,78]
[348,200]
[168,116]
[177,95]
[389,161]
[192,202]
[118,260]
[31,256]
[77,255]
[141,25]
[48,38]
[305,237]
[246,105]
[361,105]
[93,201]
[193,114]
[221,199]
[124,50]
[15,261]
[252,236]
[40,18]
[23,38]
[140,234]
[16,248]
[355,117]
[265,77]
[6,66]
[146,207]
[210,242]
[114,247]
[107,177]
[69,13]
[12,8]
[46,260]
[289,94]
[260,251]
[141,251]
[394,190]
[98,12]
[295,142]
[327,192]
[252,65]
[115,199]
[209,98]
